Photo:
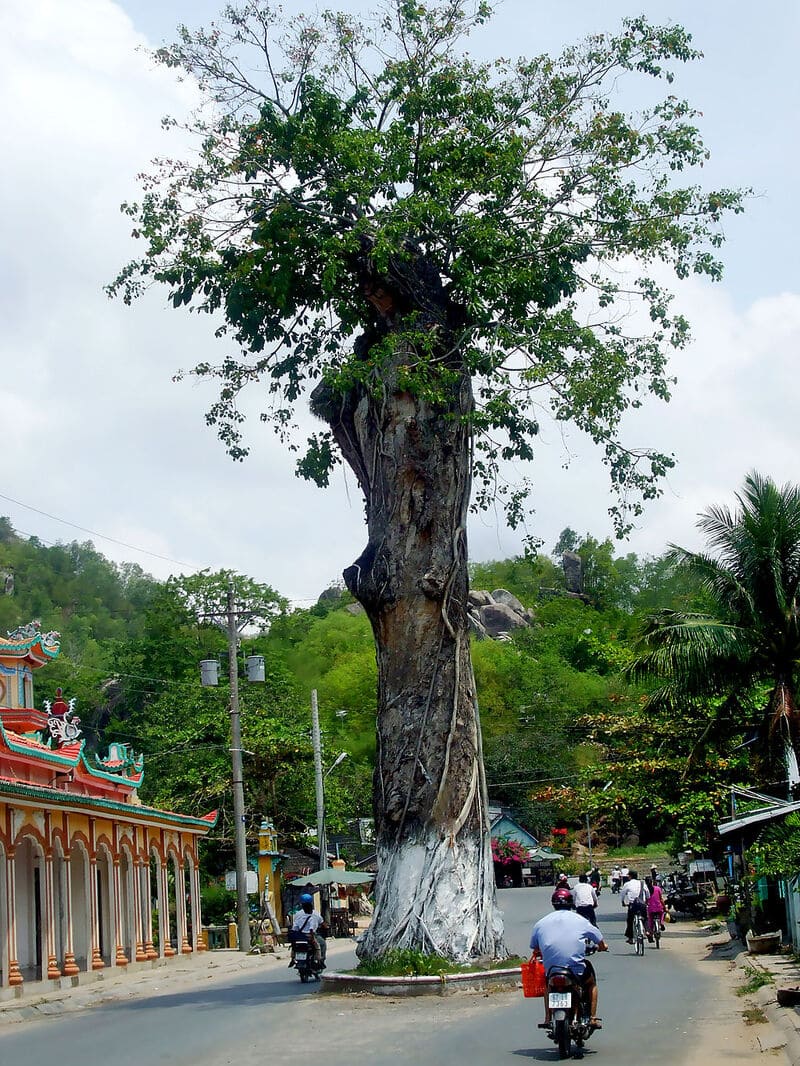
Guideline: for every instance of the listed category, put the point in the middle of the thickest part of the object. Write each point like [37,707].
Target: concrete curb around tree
[437,985]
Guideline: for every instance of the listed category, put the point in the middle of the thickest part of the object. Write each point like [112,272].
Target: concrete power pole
[320,788]
[242,908]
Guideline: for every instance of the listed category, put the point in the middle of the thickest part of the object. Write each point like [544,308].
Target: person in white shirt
[635,895]
[310,923]
[585,899]
[615,880]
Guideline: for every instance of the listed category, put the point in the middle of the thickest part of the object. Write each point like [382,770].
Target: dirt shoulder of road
[732,1027]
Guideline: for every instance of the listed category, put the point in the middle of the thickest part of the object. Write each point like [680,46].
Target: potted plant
[760,939]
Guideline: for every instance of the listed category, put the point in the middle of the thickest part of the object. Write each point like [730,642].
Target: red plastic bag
[534,982]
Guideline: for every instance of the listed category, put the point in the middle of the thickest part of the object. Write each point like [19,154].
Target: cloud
[98,434]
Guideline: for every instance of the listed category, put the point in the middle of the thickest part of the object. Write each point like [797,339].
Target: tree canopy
[743,655]
[336,155]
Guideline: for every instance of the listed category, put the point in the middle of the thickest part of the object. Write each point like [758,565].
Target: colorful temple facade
[89,876]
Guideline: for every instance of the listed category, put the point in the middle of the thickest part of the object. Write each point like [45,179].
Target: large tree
[739,662]
[443,249]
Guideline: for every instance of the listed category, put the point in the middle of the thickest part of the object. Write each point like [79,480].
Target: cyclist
[655,908]
[635,895]
[559,939]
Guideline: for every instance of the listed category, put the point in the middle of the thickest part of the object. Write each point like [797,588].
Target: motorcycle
[570,1011]
[306,959]
[683,896]
[616,884]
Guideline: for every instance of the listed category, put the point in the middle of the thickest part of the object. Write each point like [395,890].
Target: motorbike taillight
[560,983]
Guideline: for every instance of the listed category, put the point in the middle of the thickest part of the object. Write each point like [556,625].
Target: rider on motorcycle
[310,924]
[559,939]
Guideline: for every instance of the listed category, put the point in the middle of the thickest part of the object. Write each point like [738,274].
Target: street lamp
[209,677]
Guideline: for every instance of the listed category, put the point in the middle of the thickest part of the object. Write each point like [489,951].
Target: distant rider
[308,922]
[559,939]
[615,879]
[585,899]
[655,908]
[635,895]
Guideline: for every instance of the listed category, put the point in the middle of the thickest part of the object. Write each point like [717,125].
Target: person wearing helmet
[310,923]
[559,939]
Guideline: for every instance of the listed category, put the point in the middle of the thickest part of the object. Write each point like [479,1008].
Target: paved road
[262,1013]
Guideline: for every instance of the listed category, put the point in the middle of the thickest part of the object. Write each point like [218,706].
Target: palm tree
[742,656]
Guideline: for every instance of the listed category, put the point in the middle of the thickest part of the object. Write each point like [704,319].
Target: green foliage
[742,657]
[336,158]
[558,719]
[525,576]
[776,853]
[218,905]
[754,979]
[405,962]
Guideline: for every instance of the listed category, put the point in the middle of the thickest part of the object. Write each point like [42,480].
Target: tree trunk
[411,454]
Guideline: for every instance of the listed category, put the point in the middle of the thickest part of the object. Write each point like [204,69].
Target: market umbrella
[333,877]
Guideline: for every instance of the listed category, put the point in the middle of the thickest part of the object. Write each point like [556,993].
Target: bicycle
[638,933]
[657,930]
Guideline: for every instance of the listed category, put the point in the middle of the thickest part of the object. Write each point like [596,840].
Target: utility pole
[242,908]
[318,782]
[589,840]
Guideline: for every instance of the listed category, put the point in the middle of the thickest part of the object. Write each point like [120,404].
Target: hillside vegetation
[564,731]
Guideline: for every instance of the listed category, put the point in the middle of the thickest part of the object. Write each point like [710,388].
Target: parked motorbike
[570,1011]
[306,960]
[684,897]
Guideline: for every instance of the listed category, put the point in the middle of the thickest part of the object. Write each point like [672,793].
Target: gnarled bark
[435,884]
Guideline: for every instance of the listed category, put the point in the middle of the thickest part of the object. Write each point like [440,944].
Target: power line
[121,543]
[94,533]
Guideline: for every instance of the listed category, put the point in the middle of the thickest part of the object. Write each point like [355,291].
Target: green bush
[218,904]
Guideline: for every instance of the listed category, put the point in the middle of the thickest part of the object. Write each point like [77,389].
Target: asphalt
[779,1032]
[47,998]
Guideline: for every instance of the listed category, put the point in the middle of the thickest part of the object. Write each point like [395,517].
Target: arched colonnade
[79,893]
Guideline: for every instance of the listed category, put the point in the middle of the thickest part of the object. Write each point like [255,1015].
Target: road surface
[656,1009]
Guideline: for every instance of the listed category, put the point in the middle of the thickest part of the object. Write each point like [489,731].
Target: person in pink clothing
[655,907]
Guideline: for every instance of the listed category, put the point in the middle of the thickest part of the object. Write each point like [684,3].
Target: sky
[101,444]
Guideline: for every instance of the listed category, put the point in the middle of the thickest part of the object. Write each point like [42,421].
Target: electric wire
[112,540]
[94,533]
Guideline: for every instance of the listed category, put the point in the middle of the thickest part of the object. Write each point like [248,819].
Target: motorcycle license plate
[300,956]
[559,1000]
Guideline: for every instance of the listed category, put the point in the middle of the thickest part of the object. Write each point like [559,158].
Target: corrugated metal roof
[765,814]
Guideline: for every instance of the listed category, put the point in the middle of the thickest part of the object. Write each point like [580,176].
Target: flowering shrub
[506,851]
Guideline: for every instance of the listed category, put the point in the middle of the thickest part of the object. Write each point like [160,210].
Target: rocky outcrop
[495,615]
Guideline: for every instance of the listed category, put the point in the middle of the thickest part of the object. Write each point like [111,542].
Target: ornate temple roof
[29,643]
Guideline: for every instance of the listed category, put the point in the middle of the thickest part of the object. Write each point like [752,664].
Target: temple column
[180,903]
[70,966]
[14,975]
[53,971]
[194,900]
[138,911]
[149,947]
[94,906]
[120,958]
[168,950]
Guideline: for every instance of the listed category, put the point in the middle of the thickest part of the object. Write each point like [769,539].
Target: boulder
[478,598]
[497,618]
[509,599]
[333,594]
[573,572]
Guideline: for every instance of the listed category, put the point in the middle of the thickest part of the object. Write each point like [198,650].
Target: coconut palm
[742,657]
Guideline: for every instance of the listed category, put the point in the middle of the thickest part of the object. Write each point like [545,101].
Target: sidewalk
[784,971]
[41,998]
